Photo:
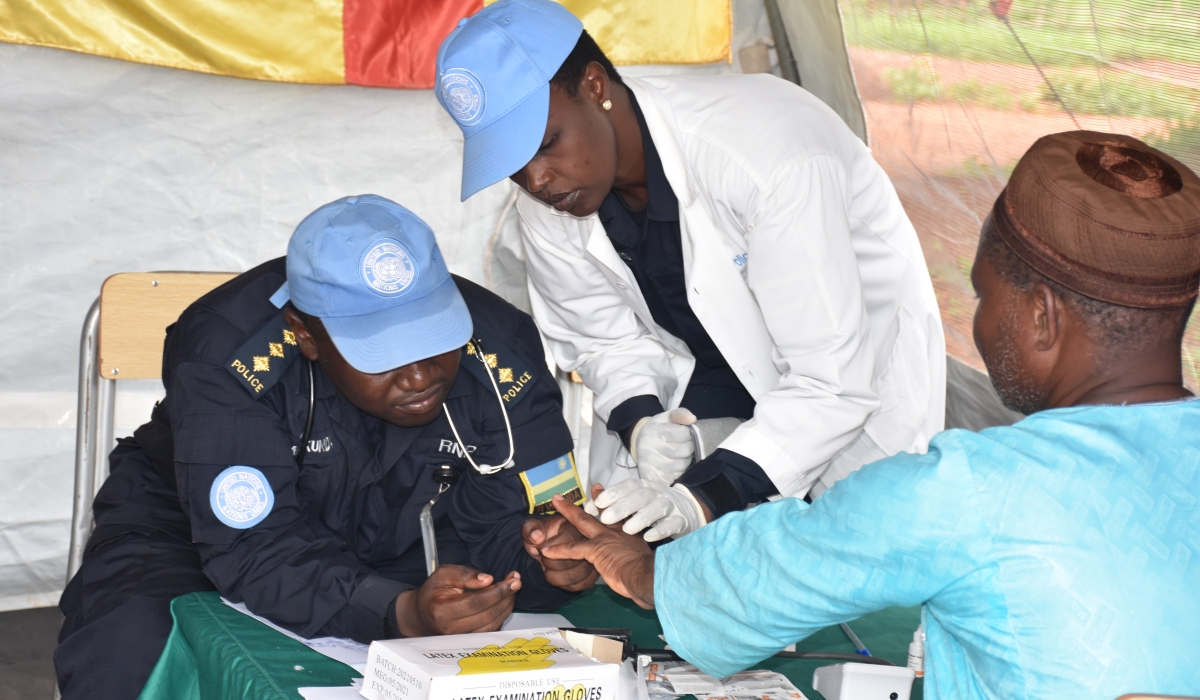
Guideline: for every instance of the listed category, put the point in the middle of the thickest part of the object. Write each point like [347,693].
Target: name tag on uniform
[558,476]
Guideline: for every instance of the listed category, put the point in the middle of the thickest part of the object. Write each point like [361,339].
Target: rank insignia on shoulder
[511,373]
[558,476]
[262,360]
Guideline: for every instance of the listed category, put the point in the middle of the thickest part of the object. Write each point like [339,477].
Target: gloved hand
[669,511]
[662,445]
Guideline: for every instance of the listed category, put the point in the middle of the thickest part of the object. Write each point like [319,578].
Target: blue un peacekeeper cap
[493,77]
[372,272]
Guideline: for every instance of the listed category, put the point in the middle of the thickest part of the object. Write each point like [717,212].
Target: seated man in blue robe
[1055,558]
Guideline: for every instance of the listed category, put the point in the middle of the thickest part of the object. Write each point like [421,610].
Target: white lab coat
[800,263]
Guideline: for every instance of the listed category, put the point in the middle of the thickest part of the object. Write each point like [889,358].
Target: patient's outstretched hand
[625,561]
[569,574]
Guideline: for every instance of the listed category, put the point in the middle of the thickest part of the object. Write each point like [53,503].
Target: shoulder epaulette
[511,372]
[262,360]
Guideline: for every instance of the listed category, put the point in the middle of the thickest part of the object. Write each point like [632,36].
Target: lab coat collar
[660,121]
[662,205]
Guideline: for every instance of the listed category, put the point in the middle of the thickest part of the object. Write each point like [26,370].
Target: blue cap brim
[281,296]
[422,328]
[503,147]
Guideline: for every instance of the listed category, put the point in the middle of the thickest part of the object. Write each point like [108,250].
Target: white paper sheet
[347,651]
[341,693]
[354,654]
[669,680]
[529,621]
[693,683]
[344,692]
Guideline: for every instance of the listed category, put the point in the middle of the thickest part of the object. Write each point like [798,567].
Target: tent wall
[107,166]
[814,28]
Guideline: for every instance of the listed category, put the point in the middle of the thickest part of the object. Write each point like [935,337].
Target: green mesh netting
[956,90]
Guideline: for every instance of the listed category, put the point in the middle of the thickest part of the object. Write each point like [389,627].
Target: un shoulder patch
[241,497]
[263,359]
[512,374]
[558,476]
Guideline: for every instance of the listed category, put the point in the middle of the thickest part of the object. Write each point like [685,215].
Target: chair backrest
[135,310]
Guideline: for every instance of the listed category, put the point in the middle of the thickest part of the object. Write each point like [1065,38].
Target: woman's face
[576,164]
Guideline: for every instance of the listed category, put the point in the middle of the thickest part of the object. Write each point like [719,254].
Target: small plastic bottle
[916,652]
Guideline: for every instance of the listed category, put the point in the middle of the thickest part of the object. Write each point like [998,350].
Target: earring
[607,105]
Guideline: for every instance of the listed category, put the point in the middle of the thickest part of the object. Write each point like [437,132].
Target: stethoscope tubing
[302,450]
[487,468]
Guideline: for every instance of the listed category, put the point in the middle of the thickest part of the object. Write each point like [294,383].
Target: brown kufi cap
[1107,216]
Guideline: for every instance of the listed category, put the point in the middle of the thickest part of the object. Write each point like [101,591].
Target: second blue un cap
[493,77]
[372,272]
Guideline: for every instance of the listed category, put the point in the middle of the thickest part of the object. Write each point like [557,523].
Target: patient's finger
[586,524]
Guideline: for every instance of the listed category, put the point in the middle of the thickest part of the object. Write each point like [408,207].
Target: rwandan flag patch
[558,476]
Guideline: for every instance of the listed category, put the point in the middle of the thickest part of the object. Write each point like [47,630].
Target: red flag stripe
[394,43]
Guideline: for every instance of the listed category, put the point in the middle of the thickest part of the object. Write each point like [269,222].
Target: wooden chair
[122,339]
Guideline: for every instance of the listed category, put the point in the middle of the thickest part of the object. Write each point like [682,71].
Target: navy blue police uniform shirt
[649,241]
[340,539]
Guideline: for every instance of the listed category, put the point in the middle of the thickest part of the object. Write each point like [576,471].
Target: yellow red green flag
[380,43]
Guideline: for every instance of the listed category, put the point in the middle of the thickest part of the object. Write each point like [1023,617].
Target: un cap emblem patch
[241,497]
[463,95]
[388,268]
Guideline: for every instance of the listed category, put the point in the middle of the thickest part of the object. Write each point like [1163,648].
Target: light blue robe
[1056,558]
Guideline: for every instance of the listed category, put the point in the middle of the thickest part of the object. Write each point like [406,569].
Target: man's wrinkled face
[408,396]
[1004,336]
[576,163]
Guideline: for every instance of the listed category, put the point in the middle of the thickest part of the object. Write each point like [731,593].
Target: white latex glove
[669,511]
[662,445]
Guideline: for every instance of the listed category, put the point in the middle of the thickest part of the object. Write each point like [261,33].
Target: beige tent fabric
[814,29]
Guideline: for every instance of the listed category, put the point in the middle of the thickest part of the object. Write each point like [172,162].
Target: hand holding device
[455,600]
[662,445]
[668,511]
[568,574]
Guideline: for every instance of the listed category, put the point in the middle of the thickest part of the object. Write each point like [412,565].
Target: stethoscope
[487,468]
[445,475]
[302,451]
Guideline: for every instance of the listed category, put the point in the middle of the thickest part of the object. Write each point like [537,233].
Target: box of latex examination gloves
[510,665]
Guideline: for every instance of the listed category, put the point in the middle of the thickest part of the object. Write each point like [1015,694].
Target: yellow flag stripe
[633,32]
[636,32]
[283,40]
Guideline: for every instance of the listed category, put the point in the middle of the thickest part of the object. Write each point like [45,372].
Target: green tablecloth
[215,651]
